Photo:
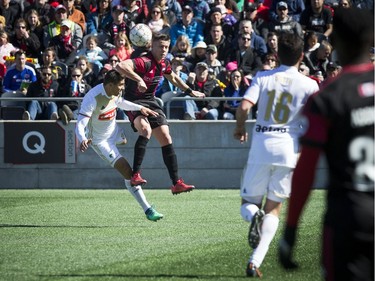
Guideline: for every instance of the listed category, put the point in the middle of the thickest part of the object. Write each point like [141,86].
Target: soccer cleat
[26,116]
[254,230]
[181,187]
[253,271]
[137,180]
[153,215]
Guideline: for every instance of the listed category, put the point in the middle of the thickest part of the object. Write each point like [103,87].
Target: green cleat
[153,215]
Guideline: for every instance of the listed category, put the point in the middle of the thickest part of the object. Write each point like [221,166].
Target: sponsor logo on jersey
[108,115]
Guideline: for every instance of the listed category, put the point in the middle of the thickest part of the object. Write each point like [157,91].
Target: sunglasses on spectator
[282,9]
[113,60]
[20,27]
[156,12]
[270,59]
[76,75]
[46,74]
[246,39]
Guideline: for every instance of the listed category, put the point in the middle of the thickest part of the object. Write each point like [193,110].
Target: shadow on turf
[54,226]
[215,277]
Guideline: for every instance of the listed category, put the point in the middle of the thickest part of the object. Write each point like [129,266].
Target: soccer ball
[140,35]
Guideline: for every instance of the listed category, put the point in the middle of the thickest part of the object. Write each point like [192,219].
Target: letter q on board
[37,147]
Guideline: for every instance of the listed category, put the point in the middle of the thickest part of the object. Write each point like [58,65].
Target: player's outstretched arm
[179,83]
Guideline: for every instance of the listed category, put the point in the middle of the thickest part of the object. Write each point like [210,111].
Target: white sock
[268,230]
[138,194]
[248,210]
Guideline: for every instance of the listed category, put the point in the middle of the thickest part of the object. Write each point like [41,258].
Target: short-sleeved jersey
[101,109]
[151,72]
[280,94]
[341,120]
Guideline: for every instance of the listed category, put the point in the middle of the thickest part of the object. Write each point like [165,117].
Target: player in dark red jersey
[144,75]
[341,124]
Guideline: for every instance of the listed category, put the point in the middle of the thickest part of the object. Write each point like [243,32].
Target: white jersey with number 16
[280,94]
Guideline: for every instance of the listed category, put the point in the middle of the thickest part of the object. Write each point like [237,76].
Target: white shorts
[108,150]
[266,179]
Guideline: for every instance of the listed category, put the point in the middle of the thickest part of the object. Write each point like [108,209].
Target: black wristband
[188,91]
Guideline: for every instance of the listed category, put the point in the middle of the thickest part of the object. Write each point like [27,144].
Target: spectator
[247,59]
[272,42]
[123,49]
[53,29]
[76,87]
[133,14]
[11,12]
[311,42]
[346,4]
[93,52]
[35,26]
[45,86]
[304,69]
[44,10]
[75,15]
[283,22]
[295,9]
[171,8]
[63,44]
[25,40]
[333,69]
[87,70]
[6,49]
[182,47]
[199,80]
[258,23]
[198,54]
[215,17]
[200,9]
[187,26]
[157,21]
[59,70]
[236,89]
[113,60]
[270,61]
[19,76]
[166,86]
[2,23]
[317,18]
[114,27]
[319,59]
[257,43]
[98,19]
[227,17]
[222,43]
[211,59]
[231,6]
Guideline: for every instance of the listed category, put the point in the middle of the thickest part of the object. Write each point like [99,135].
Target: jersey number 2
[361,151]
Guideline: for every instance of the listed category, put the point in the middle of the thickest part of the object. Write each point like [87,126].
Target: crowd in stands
[62,48]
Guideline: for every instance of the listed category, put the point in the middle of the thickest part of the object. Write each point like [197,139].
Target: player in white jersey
[280,94]
[96,125]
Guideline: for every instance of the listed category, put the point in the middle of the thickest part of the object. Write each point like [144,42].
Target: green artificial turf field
[104,235]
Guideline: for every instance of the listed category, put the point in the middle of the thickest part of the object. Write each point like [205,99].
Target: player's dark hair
[157,36]
[355,29]
[113,77]
[290,48]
